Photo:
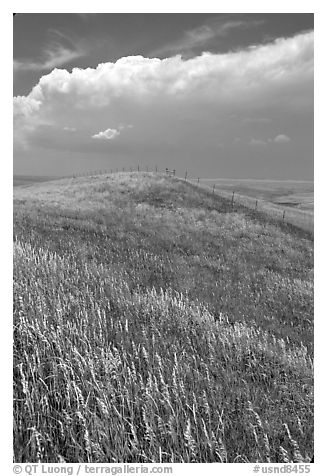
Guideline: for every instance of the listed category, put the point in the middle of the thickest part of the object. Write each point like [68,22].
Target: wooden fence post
[198,179]
[174,172]
[213,189]
[156,168]
[256,204]
[233,199]
[186,175]
[283,215]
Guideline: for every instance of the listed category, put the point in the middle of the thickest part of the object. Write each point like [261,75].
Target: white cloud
[107,134]
[164,97]
[26,119]
[70,129]
[281,139]
[25,106]
[241,75]
[257,142]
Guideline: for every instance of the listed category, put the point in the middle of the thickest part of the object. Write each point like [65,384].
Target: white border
[168,6]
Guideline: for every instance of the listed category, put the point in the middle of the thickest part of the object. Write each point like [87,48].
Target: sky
[218,95]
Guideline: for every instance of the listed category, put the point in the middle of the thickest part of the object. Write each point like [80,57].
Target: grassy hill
[154,322]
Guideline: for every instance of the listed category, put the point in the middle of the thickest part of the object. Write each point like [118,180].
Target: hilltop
[154,321]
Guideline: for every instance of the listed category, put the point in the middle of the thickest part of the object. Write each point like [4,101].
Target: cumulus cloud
[281,139]
[220,76]
[107,134]
[26,119]
[174,103]
[25,106]
[257,142]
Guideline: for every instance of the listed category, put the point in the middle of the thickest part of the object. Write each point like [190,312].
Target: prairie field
[291,193]
[156,322]
[288,200]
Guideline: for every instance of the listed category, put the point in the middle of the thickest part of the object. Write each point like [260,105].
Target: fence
[135,168]
[172,173]
[299,218]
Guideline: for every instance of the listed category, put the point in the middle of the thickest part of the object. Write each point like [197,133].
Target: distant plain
[286,193]
[26,180]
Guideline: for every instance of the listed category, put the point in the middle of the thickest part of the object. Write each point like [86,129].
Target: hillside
[291,201]
[291,193]
[154,322]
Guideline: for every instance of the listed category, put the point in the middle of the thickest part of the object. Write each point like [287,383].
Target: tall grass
[152,323]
